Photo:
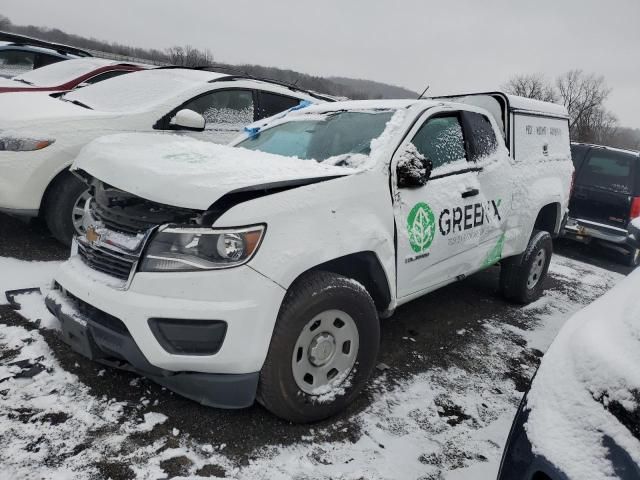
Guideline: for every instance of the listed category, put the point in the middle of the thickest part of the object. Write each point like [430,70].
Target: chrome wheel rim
[636,257]
[77,213]
[536,269]
[325,352]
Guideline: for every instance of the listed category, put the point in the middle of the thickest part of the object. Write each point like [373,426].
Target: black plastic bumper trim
[116,349]
[180,336]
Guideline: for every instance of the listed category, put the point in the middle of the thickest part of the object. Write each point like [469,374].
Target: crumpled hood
[32,109]
[183,172]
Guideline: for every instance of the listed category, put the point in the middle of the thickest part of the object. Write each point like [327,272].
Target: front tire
[323,349]
[522,277]
[64,207]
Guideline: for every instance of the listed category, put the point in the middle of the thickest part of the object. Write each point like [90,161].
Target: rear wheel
[323,349]
[64,207]
[522,277]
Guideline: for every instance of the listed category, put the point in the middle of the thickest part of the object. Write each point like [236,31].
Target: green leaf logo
[421,226]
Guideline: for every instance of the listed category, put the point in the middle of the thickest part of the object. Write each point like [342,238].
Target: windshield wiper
[23,81]
[76,102]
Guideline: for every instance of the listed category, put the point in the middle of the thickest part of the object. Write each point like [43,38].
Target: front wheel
[323,350]
[64,208]
[522,277]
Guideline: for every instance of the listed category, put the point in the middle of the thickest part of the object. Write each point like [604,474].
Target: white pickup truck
[262,271]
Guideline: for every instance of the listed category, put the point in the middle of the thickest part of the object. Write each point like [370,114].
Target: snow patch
[15,274]
[592,363]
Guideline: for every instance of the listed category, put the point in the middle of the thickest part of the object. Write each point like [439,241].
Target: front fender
[313,224]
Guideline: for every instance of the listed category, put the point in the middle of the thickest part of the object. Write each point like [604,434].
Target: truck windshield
[331,135]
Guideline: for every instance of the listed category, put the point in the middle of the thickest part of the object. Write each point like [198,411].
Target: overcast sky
[454,46]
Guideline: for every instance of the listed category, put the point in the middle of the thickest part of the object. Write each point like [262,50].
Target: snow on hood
[183,172]
[590,371]
[19,109]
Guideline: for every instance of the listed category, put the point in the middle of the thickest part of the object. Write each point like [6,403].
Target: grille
[120,223]
[126,213]
[92,313]
[111,262]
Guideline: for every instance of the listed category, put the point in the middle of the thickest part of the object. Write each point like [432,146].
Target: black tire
[59,203]
[633,258]
[515,271]
[309,296]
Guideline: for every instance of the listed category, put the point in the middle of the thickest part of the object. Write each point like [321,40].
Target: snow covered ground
[441,412]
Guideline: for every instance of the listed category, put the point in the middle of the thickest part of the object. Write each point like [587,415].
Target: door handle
[470,193]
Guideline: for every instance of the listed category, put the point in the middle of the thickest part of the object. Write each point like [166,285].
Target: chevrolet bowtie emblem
[92,235]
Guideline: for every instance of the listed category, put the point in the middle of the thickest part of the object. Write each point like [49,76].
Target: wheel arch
[549,219]
[50,186]
[364,267]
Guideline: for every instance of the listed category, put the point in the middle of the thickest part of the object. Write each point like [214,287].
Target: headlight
[192,249]
[14,144]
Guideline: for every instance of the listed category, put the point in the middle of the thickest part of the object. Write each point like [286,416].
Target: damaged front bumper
[105,339]
[204,335]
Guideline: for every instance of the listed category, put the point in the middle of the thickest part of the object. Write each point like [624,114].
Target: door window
[42,60]
[227,108]
[482,137]
[440,140]
[608,171]
[15,62]
[272,103]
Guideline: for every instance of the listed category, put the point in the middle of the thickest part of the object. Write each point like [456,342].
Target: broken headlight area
[188,249]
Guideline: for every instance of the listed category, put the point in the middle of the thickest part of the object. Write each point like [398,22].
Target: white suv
[40,134]
[262,270]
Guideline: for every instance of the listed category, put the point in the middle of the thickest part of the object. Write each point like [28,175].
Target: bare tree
[583,95]
[176,55]
[533,85]
[599,126]
[189,56]
[5,23]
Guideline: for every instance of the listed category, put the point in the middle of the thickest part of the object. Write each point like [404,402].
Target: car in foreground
[65,76]
[580,419]
[20,54]
[605,198]
[40,134]
[262,270]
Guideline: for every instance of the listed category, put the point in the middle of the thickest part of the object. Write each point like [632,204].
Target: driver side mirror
[413,169]
[188,120]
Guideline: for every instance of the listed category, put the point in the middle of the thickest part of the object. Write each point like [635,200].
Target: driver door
[437,238]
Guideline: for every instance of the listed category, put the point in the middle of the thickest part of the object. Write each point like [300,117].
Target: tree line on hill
[584,94]
[189,56]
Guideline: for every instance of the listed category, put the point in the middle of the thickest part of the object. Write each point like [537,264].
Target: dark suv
[605,198]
